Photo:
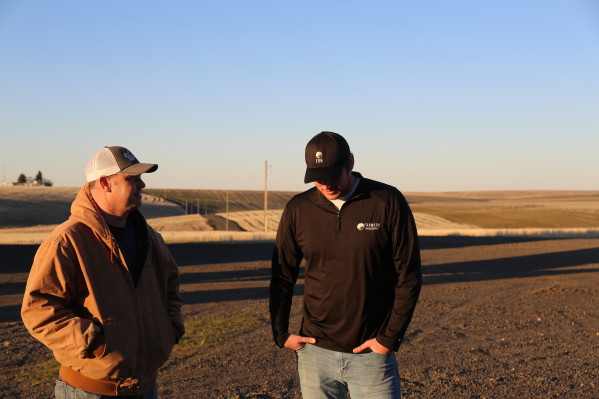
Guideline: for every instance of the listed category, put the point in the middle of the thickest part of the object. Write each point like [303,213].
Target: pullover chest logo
[372,226]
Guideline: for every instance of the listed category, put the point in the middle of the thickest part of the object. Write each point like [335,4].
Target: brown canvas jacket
[109,336]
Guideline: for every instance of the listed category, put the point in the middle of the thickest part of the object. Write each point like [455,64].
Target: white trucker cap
[115,160]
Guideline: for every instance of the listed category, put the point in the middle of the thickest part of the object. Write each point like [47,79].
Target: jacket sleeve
[174,300]
[406,257]
[55,282]
[286,260]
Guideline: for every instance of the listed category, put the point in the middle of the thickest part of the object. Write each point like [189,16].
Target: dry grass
[430,225]
[591,198]
[25,235]
[512,216]
[215,201]
[31,206]
[22,236]
[528,232]
[512,209]
[29,214]
[254,220]
[426,221]
[211,330]
[180,223]
[206,332]
[172,237]
[174,229]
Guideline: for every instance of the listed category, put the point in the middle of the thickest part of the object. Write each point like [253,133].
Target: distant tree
[22,179]
[47,183]
[38,177]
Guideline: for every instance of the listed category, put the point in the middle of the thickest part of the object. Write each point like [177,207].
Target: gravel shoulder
[497,317]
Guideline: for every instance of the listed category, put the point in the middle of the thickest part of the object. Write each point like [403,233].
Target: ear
[105,184]
[350,162]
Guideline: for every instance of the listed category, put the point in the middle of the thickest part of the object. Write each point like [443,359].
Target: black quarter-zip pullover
[362,273]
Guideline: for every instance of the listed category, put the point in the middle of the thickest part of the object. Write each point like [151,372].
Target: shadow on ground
[18,258]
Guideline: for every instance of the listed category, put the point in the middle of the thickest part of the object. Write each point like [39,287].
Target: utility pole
[265,196]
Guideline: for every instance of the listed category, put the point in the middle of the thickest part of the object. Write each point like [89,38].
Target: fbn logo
[319,157]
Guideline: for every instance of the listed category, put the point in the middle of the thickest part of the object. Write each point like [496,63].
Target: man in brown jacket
[103,292]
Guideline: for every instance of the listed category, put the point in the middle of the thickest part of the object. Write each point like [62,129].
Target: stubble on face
[128,190]
[335,188]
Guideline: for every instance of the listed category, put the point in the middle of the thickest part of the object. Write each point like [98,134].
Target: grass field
[512,209]
[28,214]
[215,201]
[512,216]
[254,220]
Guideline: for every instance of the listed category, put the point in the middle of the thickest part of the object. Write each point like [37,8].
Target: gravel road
[497,318]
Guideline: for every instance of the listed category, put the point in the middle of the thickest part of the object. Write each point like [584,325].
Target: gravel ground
[497,318]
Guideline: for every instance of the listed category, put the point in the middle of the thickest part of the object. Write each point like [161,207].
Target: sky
[437,95]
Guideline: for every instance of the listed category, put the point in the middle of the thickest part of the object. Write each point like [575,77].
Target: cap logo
[129,156]
[360,226]
[319,157]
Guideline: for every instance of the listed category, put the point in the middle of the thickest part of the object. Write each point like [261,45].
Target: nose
[141,184]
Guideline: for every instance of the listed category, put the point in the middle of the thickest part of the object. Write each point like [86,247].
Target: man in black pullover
[362,277]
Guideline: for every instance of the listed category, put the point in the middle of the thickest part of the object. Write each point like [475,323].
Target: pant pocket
[60,389]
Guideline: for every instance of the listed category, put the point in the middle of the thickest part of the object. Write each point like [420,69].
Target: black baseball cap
[326,155]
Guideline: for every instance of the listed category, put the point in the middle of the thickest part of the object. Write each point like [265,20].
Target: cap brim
[320,174]
[138,169]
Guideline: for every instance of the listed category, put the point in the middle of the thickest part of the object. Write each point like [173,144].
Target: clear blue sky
[431,95]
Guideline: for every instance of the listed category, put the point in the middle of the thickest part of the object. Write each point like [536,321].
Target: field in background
[23,206]
[254,220]
[483,209]
[174,229]
[512,209]
[215,201]
[28,214]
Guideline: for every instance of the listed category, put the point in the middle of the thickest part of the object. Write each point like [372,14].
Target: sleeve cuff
[281,339]
[389,342]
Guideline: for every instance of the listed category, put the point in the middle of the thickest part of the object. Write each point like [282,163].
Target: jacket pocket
[160,337]
[119,357]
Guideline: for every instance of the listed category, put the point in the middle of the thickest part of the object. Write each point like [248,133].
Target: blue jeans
[62,390]
[326,374]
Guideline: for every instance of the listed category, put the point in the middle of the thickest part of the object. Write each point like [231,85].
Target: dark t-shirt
[127,241]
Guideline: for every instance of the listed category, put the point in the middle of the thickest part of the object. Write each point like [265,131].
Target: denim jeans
[326,374]
[62,390]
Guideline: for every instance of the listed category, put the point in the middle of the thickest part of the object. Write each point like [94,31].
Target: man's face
[335,188]
[126,193]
